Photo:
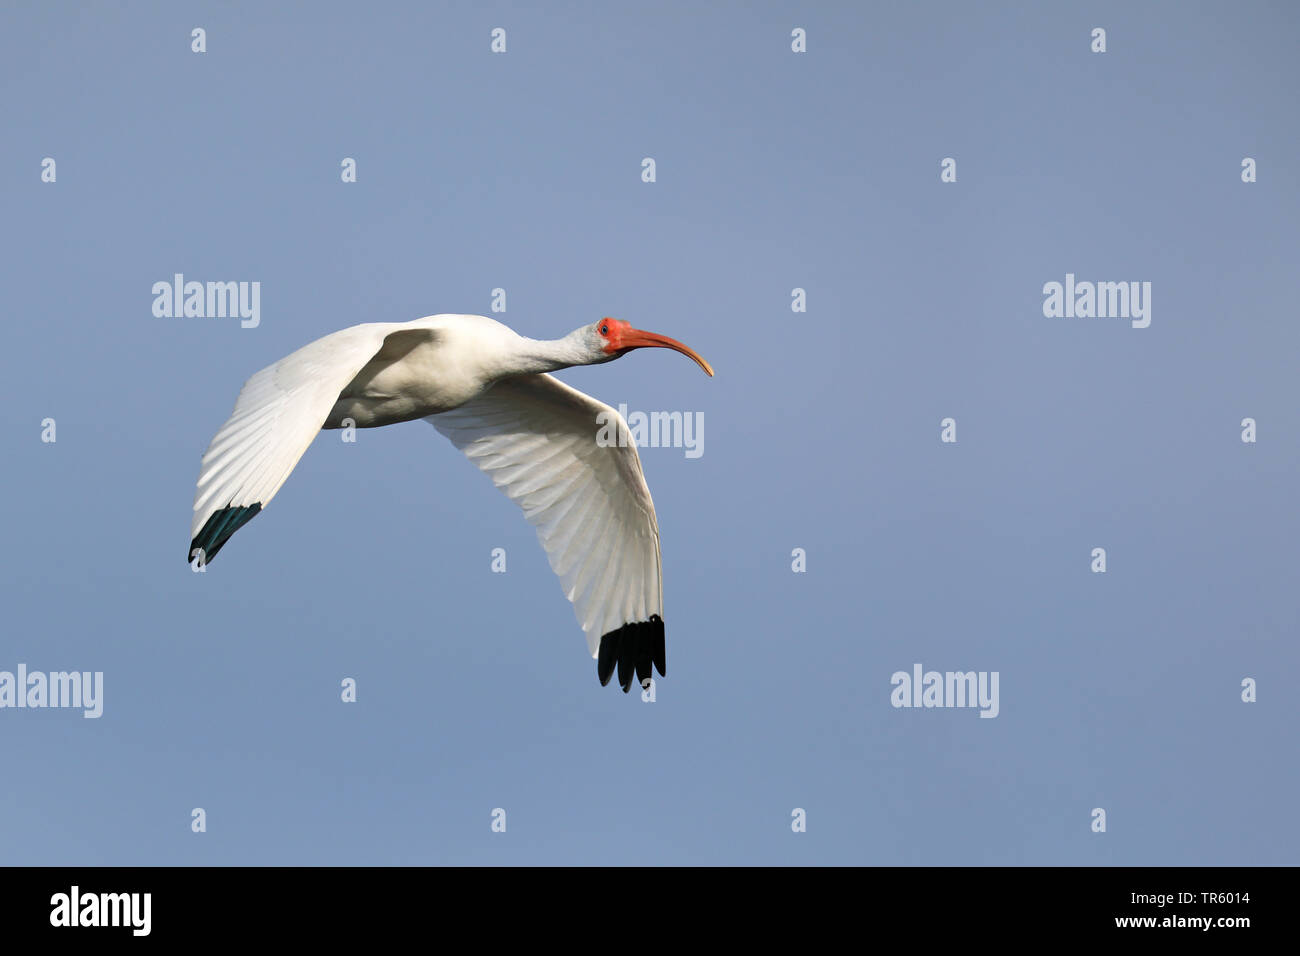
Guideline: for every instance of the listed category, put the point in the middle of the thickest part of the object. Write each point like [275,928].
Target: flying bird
[486,388]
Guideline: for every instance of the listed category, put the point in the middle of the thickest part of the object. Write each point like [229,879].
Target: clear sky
[775,170]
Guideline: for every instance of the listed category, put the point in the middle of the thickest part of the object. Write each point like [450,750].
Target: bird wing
[278,413]
[569,461]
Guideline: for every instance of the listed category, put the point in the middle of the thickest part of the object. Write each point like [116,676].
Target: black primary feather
[633,648]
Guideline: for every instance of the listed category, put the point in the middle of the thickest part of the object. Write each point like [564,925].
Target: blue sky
[775,171]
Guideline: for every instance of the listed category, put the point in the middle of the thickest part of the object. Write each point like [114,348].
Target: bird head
[612,338]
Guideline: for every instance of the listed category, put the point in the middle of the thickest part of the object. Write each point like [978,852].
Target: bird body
[428,366]
[484,387]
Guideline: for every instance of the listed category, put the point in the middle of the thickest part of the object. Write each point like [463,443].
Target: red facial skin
[620,337]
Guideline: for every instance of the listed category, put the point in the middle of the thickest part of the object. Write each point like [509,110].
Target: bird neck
[547,355]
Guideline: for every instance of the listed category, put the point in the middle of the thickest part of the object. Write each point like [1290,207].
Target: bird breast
[415,374]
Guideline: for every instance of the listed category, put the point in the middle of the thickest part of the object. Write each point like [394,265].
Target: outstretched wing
[278,413]
[570,463]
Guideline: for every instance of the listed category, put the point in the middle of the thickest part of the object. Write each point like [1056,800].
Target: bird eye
[604,328]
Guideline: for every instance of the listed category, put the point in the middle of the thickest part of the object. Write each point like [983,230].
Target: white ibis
[485,387]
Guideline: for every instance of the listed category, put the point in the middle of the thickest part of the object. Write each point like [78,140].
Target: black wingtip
[216,531]
[608,657]
[633,648]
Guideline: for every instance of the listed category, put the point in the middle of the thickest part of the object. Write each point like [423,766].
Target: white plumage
[590,505]
[485,388]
